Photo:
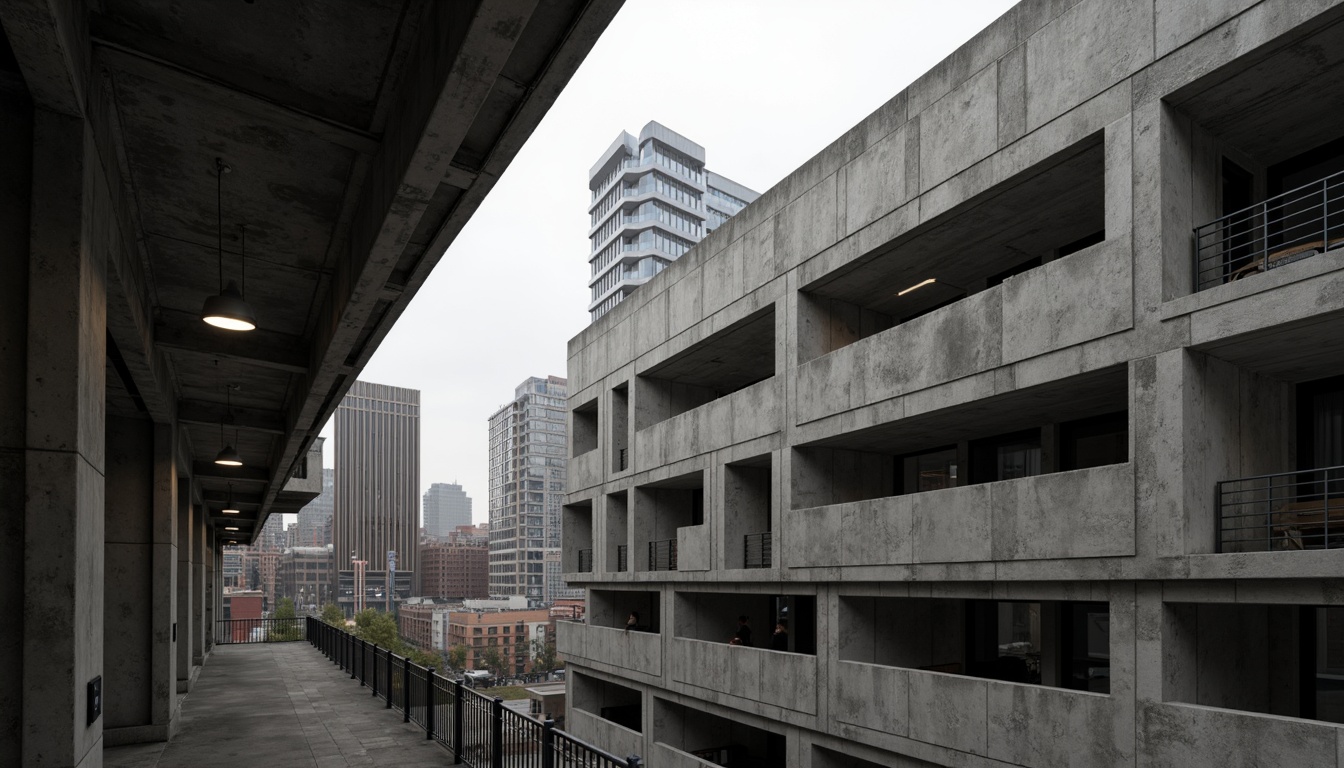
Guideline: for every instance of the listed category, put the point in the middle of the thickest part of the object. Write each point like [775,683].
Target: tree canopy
[333,615]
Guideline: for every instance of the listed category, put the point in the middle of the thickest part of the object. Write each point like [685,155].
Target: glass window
[1006,457]
[931,471]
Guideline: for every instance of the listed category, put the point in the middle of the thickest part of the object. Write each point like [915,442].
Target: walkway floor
[281,704]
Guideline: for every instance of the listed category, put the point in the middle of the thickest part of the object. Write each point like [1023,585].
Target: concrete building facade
[1020,404]
[527,487]
[446,506]
[377,499]
[652,200]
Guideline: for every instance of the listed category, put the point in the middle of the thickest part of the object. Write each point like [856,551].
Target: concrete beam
[208,470]
[247,419]
[51,43]
[184,332]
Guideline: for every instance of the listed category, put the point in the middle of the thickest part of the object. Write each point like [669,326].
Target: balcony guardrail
[663,555]
[1284,511]
[1289,227]
[622,558]
[476,729]
[585,561]
[622,459]
[230,631]
[756,550]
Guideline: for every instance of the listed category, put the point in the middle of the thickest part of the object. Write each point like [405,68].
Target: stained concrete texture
[281,704]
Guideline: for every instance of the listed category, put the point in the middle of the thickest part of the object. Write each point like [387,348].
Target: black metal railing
[477,730]
[622,558]
[1284,511]
[1295,225]
[228,631]
[756,550]
[663,555]
[585,561]
[622,459]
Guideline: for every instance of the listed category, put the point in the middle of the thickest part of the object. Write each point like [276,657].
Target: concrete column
[187,641]
[16,143]
[63,526]
[140,588]
[200,592]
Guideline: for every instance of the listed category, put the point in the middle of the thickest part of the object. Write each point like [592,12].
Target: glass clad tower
[652,199]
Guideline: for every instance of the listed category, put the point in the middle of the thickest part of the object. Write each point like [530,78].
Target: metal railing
[1284,511]
[756,550]
[477,730]
[622,459]
[663,555]
[622,558]
[1295,225]
[585,561]
[229,631]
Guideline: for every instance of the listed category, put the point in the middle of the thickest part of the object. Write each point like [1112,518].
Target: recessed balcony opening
[748,501]
[713,739]
[1054,209]
[1075,423]
[1267,154]
[618,533]
[786,623]
[663,512]
[732,359]
[578,530]
[1274,659]
[620,428]
[1300,507]
[612,702]
[1062,644]
[829,758]
[616,607]
[584,428]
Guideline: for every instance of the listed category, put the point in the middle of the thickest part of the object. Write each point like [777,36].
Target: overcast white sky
[763,85]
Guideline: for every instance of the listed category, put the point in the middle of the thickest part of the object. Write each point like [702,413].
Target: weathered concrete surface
[282,704]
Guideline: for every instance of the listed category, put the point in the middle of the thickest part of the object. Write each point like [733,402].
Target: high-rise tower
[652,199]
[528,446]
[377,491]
[446,506]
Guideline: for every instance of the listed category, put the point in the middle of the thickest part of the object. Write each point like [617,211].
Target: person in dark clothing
[632,622]
[779,641]
[743,634]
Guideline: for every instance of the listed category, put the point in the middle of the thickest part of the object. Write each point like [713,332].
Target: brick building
[455,571]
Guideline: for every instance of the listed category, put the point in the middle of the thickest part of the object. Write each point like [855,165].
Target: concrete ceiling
[361,137]
[1057,202]
[735,357]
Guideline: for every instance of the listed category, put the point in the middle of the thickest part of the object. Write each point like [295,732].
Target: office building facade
[454,571]
[446,506]
[305,575]
[377,494]
[652,200]
[315,520]
[527,487]
[1020,404]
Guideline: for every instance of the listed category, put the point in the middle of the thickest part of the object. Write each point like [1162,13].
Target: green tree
[490,660]
[287,626]
[285,609]
[333,615]
[426,659]
[543,656]
[376,627]
[457,657]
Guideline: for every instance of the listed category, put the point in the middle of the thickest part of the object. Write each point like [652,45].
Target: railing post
[406,690]
[458,700]
[497,734]
[429,703]
[633,761]
[548,744]
[1218,517]
[388,678]
[374,684]
[354,673]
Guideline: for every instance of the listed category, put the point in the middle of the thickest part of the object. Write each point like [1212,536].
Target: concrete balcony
[744,415]
[787,680]
[1076,299]
[875,703]
[281,704]
[1083,513]
[1224,737]
[610,648]
[614,738]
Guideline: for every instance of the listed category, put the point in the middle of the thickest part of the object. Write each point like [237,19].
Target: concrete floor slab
[281,704]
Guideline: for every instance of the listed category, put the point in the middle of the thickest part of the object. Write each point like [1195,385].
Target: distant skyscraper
[652,199]
[377,495]
[528,449]
[314,527]
[446,506]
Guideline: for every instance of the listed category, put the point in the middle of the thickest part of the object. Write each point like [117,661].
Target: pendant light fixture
[229,507]
[227,309]
[227,455]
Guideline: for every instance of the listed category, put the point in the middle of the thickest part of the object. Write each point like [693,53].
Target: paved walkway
[281,704]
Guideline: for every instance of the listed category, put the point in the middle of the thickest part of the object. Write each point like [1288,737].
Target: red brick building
[455,571]
[509,632]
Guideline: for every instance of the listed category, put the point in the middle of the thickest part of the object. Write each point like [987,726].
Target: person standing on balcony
[743,634]
[632,622]
[779,641]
